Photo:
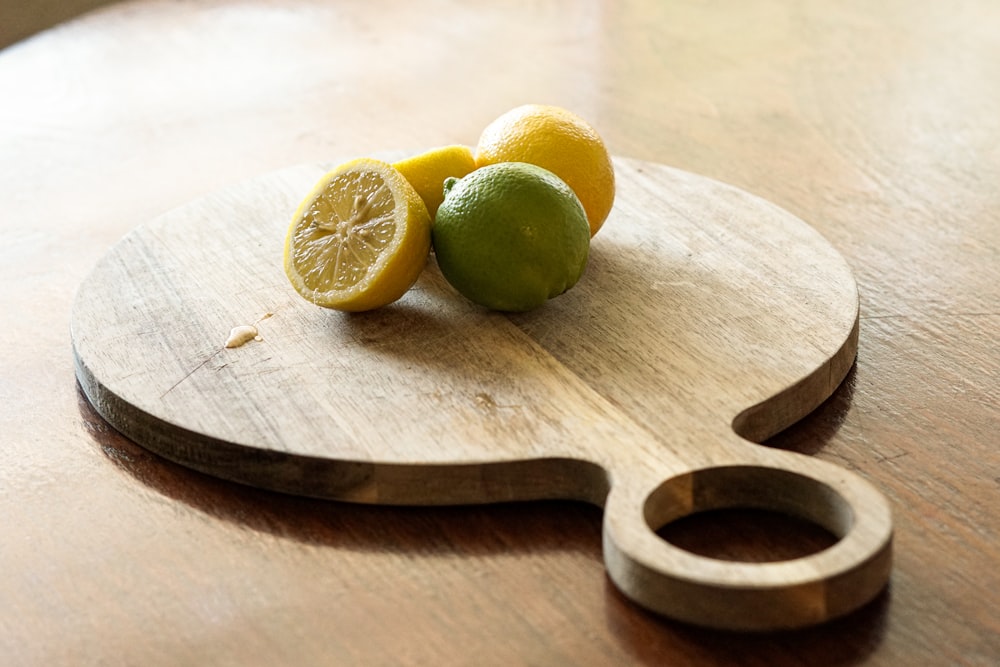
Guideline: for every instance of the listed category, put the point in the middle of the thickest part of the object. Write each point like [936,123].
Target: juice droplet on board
[240,335]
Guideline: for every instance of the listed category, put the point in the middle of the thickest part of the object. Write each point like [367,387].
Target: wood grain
[875,122]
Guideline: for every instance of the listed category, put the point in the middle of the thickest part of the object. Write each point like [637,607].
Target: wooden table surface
[877,123]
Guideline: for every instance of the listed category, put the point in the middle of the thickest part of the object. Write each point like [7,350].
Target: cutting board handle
[740,595]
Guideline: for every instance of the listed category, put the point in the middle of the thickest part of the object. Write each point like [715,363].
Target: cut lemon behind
[360,239]
[427,172]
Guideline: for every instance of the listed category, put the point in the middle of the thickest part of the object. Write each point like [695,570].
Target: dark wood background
[877,123]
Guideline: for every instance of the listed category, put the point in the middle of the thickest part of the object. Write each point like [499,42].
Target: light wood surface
[874,122]
[701,305]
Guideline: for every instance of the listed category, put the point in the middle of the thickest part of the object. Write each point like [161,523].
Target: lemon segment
[359,240]
[427,171]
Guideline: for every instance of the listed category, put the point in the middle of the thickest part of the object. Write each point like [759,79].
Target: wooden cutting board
[707,318]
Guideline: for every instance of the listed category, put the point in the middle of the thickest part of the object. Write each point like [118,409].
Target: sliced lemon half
[360,239]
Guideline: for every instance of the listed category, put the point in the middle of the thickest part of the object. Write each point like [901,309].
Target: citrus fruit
[510,236]
[426,172]
[360,239]
[563,143]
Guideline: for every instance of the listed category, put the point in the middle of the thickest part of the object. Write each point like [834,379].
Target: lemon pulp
[359,240]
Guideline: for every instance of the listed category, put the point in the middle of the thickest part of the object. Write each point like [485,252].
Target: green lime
[510,236]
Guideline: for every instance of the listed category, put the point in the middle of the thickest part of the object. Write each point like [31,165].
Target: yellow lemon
[510,236]
[427,172]
[360,239]
[563,143]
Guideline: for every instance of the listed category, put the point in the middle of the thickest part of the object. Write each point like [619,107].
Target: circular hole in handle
[848,572]
[747,535]
[747,492]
